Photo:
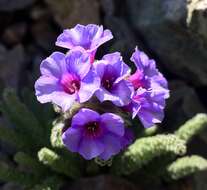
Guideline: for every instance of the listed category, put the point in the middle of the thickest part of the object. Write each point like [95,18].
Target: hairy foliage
[41,162]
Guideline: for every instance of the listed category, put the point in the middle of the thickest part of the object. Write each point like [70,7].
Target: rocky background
[173,32]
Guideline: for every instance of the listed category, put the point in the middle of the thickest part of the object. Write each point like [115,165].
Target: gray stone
[11,186]
[200,181]
[44,35]
[183,103]
[124,38]
[108,7]
[11,63]
[198,19]
[12,5]
[14,33]
[163,25]
[68,13]
[39,13]
[102,183]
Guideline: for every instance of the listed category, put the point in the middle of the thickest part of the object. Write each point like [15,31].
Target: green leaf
[144,150]
[185,166]
[59,163]
[192,127]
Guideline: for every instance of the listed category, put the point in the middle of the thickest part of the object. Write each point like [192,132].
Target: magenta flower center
[93,129]
[70,83]
[137,80]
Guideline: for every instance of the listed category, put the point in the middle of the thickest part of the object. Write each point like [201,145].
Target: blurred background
[173,32]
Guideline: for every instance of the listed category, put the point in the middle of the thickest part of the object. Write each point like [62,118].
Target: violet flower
[151,88]
[113,71]
[94,135]
[89,37]
[128,138]
[66,79]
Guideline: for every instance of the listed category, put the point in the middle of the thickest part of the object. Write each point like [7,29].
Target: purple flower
[89,37]
[94,135]
[128,138]
[113,71]
[66,79]
[151,88]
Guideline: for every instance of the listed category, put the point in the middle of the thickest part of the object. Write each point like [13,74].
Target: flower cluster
[77,77]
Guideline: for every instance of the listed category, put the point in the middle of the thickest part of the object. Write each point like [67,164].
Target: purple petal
[160,86]
[67,39]
[102,94]
[89,85]
[90,148]
[120,94]
[71,138]
[78,63]
[49,90]
[128,138]
[123,90]
[64,100]
[106,36]
[70,37]
[85,116]
[112,146]
[140,59]
[150,116]
[54,65]
[99,67]
[149,107]
[143,63]
[135,109]
[45,86]
[112,58]
[113,123]
[118,67]
[90,37]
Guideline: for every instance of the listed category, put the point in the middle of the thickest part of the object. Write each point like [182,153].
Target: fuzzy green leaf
[51,183]
[23,119]
[58,163]
[192,127]
[14,139]
[31,163]
[185,166]
[56,135]
[9,174]
[144,150]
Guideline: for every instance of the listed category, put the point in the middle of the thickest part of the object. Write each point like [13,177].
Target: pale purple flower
[151,87]
[66,79]
[94,135]
[113,71]
[89,37]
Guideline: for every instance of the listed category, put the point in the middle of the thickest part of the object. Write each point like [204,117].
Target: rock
[11,186]
[174,11]
[11,63]
[124,38]
[11,5]
[39,12]
[192,104]
[14,33]
[44,35]
[184,184]
[108,7]
[198,20]
[68,13]
[102,183]
[200,181]
[183,102]
[163,25]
